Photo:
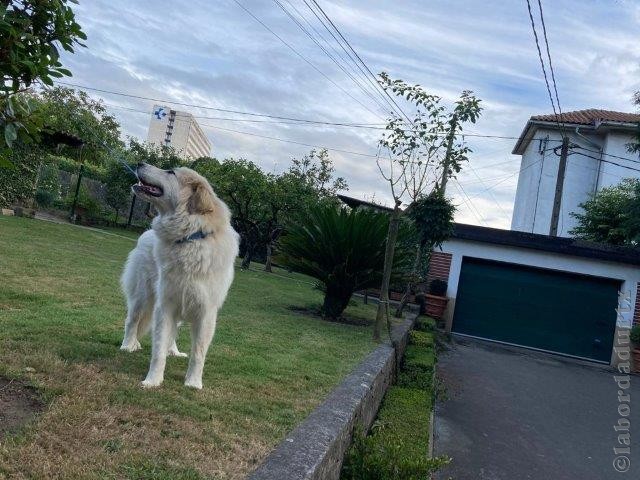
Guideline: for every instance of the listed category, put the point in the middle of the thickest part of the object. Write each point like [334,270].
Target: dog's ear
[201,199]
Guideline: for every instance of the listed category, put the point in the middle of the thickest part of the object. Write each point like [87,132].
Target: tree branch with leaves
[417,154]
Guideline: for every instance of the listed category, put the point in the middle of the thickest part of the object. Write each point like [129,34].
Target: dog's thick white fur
[180,270]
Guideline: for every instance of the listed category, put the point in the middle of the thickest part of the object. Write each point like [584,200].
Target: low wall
[314,450]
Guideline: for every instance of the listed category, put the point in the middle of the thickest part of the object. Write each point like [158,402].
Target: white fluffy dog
[180,270]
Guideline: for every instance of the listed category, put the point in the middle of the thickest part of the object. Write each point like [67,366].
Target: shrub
[417,370]
[425,324]
[85,200]
[438,288]
[397,446]
[44,198]
[342,249]
[635,334]
[421,339]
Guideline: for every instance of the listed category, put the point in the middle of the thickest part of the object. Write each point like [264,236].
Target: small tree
[423,152]
[432,216]
[611,215]
[343,249]
[32,33]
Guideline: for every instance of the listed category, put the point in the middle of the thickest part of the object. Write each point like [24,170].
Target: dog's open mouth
[147,188]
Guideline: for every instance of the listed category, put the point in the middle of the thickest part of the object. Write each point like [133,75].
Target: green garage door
[539,308]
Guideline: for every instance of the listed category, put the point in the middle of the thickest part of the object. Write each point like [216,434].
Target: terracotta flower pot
[636,360]
[435,305]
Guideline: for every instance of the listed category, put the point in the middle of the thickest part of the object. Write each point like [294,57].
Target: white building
[179,130]
[597,158]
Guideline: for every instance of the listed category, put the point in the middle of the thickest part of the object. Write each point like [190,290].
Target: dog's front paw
[150,383]
[191,383]
[131,347]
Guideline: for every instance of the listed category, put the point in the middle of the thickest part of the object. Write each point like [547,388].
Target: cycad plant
[344,249]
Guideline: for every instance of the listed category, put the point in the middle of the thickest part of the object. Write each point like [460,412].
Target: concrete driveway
[515,414]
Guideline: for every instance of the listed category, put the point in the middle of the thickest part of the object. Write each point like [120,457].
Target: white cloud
[213,53]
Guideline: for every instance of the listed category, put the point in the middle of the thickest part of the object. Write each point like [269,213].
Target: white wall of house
[610,174]
[533,205]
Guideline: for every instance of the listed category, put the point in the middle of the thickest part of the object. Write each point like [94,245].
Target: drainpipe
[595,189]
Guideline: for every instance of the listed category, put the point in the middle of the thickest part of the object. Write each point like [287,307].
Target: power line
[203,107]
[324,14]
[546,41]
[362,154]
[303,57]
[281,122]
[467,201]
[331,57]
[495,200]
[612,163]
[362,73]
[544,70]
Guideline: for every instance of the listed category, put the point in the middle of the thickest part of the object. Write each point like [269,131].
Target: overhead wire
[306,60]
[327,53]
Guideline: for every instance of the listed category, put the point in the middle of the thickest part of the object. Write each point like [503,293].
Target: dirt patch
[18,404]
[314,312]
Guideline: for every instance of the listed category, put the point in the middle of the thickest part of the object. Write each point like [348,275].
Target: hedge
[398,444]
[425,324]
[18,184]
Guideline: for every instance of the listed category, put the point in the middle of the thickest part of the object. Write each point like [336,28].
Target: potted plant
[635,339]
[436,299]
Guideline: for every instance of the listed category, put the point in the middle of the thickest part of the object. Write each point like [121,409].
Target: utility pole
[557,200]
[447,157]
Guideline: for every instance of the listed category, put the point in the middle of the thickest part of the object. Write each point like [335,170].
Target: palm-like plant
[343,249]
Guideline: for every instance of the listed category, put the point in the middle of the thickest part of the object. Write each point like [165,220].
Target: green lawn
[61,321]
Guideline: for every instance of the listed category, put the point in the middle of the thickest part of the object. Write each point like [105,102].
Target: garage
[557,294]
[551,310]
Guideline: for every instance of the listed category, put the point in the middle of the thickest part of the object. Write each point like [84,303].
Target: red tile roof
[590,117]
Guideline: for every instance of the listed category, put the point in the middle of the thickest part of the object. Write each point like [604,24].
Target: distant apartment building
[179,130]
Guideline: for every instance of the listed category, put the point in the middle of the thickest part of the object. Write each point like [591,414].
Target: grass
[61,321]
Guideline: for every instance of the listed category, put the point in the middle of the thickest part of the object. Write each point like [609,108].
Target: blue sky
[214,53]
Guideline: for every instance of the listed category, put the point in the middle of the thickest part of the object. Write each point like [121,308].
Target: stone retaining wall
[314,450]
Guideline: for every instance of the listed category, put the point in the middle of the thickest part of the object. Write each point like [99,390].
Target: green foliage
[438,287]
[611,215]
[71,166]
[85,201]
[118,182]
[32,32]
[74,112]
[18,183]
[49,179]
[433,217]
[44,198]
[263,205]
[417,369]
[425,324]
[160,156]
[421,339]
[397,446]
[343,249]
[420,145]
[635,334]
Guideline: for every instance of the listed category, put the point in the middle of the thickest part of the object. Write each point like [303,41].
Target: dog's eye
[171,172]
